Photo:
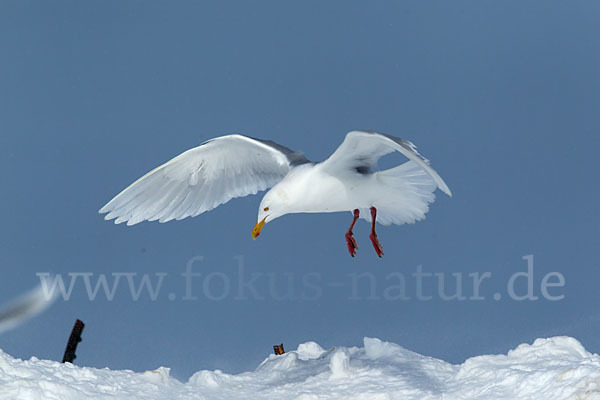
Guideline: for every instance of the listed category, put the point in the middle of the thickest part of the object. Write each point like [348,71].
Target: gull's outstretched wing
[360,151]
[203,178]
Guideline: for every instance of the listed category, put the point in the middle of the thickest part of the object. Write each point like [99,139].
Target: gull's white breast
[310,189]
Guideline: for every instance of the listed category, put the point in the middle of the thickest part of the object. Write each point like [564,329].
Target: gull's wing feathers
[360,151]
[202,178]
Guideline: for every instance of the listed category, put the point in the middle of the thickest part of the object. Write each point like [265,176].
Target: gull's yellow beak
[257,228]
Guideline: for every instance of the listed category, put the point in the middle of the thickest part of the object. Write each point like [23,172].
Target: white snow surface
[553,368]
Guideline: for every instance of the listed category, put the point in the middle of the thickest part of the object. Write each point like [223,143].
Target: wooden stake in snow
[278,349]
[74,340]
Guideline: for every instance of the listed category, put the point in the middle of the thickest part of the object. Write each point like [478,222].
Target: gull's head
[272,206]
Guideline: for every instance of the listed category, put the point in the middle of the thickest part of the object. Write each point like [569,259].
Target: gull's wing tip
[444,188]
[107,208]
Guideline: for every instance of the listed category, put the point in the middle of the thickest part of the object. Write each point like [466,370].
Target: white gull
[226,167]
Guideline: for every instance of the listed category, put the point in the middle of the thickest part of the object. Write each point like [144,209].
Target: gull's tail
[407,191]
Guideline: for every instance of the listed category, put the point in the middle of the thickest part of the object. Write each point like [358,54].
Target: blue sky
[503,97]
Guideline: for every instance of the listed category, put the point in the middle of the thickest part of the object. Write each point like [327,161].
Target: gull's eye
[266,209]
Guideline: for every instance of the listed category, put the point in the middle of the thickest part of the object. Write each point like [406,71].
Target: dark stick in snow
[74,340]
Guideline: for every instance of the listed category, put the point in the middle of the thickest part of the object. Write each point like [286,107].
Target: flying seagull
[226,167]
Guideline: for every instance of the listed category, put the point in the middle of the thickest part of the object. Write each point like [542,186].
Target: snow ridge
[553,368]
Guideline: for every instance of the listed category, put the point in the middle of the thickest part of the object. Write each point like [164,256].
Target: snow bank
[554,368]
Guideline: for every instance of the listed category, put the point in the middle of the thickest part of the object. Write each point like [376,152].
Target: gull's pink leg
[373,235]
[352,247]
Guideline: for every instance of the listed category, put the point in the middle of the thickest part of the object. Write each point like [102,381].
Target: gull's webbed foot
[376,244]
[352,246]
[373,235]
[351,243]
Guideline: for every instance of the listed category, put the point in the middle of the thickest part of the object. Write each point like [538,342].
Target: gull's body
[335,193]
[231,166]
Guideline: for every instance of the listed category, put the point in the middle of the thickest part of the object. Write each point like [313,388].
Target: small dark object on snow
[279,349]
[74,340]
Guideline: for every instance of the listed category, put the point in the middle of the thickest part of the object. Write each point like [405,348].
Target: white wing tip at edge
[445,189]
[411,147]
[110,216]
[441,184]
